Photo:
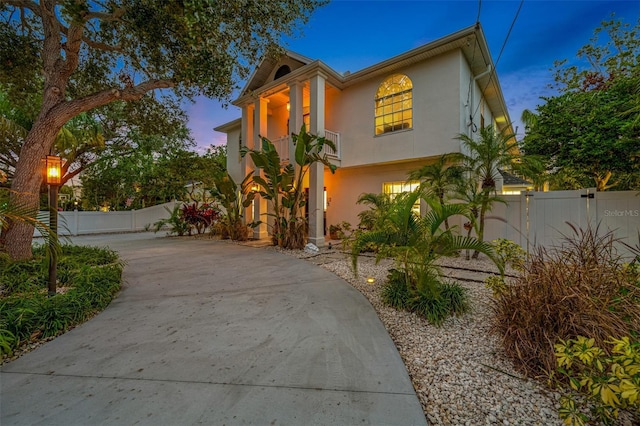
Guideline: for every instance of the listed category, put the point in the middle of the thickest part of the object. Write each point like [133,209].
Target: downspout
[470,123]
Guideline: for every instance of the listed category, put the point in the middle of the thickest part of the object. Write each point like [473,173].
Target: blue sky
[349,35]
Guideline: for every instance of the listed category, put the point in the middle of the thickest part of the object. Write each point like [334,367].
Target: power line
[473,56]
[500,54]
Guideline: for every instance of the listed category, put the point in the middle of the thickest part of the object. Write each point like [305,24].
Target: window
[394,104]
[395,188]
[282,71]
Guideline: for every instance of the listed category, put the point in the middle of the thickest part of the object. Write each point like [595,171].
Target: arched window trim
[393,106]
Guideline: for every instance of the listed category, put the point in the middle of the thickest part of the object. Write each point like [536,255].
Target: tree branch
[72,48]
[102,16]
[31,5]
[92,43]
[69,109]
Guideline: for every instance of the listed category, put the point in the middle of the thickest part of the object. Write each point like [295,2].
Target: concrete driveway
[208,332]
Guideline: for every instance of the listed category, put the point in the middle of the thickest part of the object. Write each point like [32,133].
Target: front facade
[386,120]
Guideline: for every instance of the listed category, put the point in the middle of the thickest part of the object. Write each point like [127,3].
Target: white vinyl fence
[86,222]
[541,218]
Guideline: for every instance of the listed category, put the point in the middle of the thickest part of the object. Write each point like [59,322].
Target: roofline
[333,77]
[226,127]
[290,53]
[454,41]
[398,60]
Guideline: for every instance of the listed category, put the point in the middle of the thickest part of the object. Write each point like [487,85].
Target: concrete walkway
[207,332]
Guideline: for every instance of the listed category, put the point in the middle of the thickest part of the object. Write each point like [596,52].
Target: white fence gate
[541,218]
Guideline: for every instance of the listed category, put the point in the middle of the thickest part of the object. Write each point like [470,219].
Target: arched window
[282,71]
[394,104]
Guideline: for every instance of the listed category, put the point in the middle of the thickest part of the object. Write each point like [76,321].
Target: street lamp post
[53,178]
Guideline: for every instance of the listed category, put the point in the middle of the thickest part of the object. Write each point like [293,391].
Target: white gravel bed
[457,370]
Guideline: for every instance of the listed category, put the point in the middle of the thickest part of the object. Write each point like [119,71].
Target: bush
[395,292]
[199,217]
[608,382]
[581,288]
[92,277]
[510,253]
[431,299]
[175,222]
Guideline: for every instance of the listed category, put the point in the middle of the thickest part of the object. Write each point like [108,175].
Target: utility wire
[493,72]
[473,56]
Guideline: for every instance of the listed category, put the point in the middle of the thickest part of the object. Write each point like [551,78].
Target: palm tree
[476,201]
[442,177]
[411,239]
[416,243]
[378,205]
[529,119]
[492,151]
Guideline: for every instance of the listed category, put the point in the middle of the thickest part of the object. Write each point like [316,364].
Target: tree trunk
[25,187]
[480,235]
[54,114]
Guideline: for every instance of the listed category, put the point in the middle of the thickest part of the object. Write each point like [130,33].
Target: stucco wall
[436,111]
[346,185]
[277,122]
[233,155]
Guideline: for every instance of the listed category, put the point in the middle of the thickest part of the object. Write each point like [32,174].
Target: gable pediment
[270,68]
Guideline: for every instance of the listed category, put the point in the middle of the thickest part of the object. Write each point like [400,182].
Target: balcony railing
[335,138]
[282,146]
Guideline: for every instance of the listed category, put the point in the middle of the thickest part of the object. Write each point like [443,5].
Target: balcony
[282,146]
[335,138]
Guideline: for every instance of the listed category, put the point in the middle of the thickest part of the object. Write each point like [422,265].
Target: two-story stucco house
[386,120]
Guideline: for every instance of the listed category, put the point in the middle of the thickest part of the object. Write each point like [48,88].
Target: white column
[245,137]
[247,164]
[295,115]
[316,172]
[260,204]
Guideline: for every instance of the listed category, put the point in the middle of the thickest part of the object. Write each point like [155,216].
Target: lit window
[394,104]
[395,188]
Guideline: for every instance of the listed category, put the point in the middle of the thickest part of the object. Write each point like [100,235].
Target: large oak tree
[91,53]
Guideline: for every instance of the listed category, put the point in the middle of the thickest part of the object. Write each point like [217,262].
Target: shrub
[199,217]
[457,298]
[580,288]
[395,292]
[431,299]
[497,284]
[175,222]
[608,382]
[510,253]
[93,276]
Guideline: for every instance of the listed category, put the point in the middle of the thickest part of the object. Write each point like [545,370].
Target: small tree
[442,177]
[491,151]
[416,243]
[283,186]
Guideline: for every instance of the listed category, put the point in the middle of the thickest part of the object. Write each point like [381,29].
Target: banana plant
[234,199]
[283,187]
